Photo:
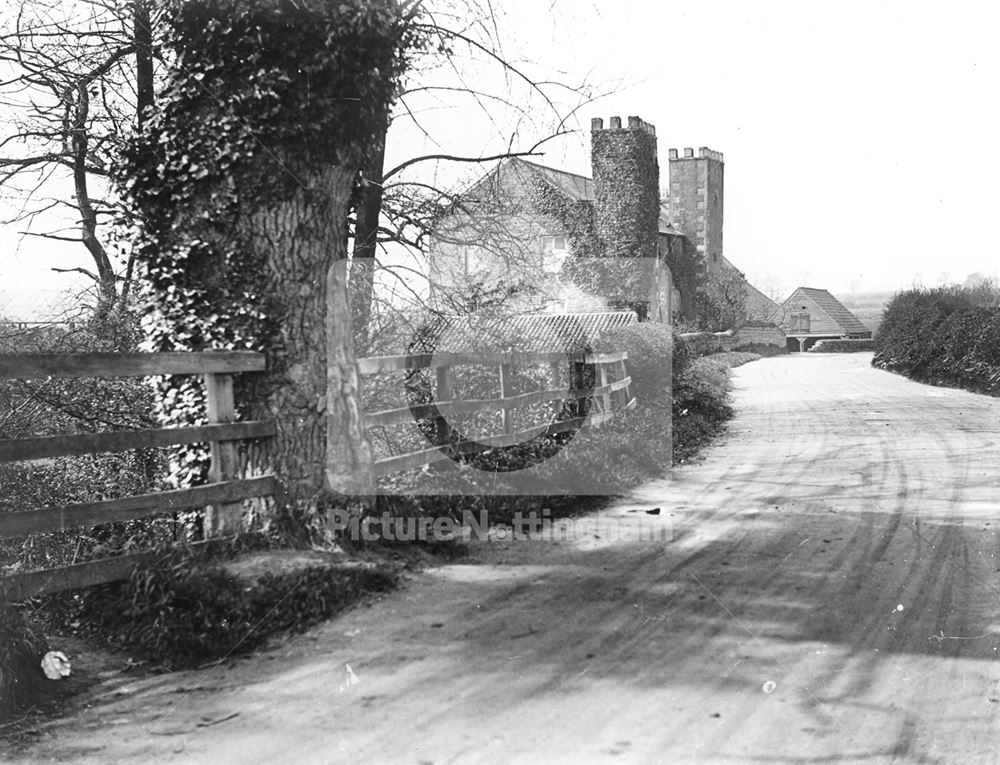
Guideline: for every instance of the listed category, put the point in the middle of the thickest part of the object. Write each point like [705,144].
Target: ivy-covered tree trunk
[242,178]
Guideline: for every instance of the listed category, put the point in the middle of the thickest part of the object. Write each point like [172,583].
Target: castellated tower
[695,201]
[626,181]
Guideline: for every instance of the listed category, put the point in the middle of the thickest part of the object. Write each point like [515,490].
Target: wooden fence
[225,491]
[607,396]
[223,494]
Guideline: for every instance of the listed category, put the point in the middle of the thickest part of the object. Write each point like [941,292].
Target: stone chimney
[626,180]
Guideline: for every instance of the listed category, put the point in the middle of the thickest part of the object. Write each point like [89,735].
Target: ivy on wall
[575,216]
[626,183]
[619,279]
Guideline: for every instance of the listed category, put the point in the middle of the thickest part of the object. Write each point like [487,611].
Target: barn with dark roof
[810,315]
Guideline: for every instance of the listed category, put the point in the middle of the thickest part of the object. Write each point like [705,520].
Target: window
[799,323]
[555,248]
[556,243]
[475,260]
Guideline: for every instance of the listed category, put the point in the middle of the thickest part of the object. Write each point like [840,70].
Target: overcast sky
[860,138]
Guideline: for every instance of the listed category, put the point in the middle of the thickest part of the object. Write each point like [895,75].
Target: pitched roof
[834,309]
[579,187]
[526,333]
[666,227]
[574,186]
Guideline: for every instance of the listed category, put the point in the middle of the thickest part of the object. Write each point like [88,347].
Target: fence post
[602,376]
[556,368]
[505,392]
[443,393]
[626,394]
[222,518]
[578,381]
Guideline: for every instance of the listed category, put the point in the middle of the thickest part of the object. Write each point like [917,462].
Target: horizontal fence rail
[432,360]
[73,577]
[18,449]
[76,576]
[34,365]
[611,397]
[85,514]
[223,495]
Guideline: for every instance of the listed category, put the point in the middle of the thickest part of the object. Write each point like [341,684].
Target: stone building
[515,228]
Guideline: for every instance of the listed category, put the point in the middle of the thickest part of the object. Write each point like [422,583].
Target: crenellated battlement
[615,123]
[703,153]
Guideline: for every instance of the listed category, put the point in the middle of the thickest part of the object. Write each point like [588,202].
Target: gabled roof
[579,188]
[526,333]
[666,227]
[574,186]
[758,305]
[833,308]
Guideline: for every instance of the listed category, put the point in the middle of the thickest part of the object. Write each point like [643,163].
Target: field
[867,306]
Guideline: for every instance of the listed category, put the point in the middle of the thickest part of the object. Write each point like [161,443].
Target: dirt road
[830,593]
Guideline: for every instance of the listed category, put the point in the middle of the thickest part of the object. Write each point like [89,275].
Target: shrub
[843,346]
[732,359]
[186,608]
[701,404]
[653,351]
[765,350]
[21,651]
[943,336]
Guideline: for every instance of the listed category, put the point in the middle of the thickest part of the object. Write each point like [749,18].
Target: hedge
[944,336]
[843,346]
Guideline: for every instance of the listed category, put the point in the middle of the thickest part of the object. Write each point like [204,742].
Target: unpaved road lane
[831,593]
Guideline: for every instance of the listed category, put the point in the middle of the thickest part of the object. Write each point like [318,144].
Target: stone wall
[760,335]
[704,343]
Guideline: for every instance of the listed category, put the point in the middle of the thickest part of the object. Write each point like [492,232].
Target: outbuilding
[810,315]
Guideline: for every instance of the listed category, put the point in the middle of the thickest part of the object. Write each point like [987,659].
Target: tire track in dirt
[766,630]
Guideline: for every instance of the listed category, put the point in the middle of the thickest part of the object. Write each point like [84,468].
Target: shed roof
[527,333]
[837,310]
[833,308]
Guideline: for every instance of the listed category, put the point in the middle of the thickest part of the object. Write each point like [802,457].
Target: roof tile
[525,333]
